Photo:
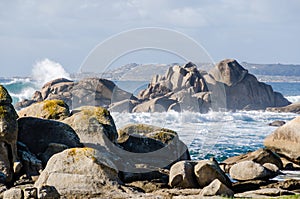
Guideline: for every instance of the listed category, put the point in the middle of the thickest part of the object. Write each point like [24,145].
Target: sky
[256,31]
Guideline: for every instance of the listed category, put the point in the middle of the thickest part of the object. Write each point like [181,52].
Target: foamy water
[218,134]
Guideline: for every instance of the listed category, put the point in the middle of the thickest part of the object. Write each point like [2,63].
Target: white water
[293,99]
[219,134]
[47,70]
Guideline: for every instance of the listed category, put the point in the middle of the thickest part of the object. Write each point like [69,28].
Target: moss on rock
[5,98]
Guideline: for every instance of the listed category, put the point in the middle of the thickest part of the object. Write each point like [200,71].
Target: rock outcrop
[86,92]
[243,90]
[8,136]
[286,140]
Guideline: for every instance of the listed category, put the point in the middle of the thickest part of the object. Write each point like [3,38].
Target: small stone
[30,192]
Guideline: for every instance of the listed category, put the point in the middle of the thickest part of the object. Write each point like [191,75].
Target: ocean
[215,134]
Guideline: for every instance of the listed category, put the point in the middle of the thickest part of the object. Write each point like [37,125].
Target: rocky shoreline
[48,151]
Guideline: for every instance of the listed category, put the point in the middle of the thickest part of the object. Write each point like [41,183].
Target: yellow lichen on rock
[5,98]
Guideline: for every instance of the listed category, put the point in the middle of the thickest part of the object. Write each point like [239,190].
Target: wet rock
[217,188]
[285,140]
[48,109]
[207,171]
[249,170]
[182,175]
[277,123]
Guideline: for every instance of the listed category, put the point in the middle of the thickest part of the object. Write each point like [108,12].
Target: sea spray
[47,70]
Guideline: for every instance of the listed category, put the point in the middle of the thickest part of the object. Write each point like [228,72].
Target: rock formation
[285,140]
[8,136]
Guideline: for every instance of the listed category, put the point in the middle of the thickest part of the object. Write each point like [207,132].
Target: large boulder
[94,126]
[260,156]
[182,175]
[243,90]
[37,134]
[48,109]
[151,149]
[285,140]
[81,173]
[249,170]
[207,171]
[8,136]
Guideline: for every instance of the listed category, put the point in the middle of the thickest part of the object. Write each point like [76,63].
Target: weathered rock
[216,188]
[249,170]
[176,78]
[260,156]
[277,123]
[80,172]
[30,193]
[32,166]
[293,108]
[268,192]
[243,90]
[166,136]
[52,149]
[97,92]
[159,104]
[94,126]
[285,140]
[13,193]
[272,167]
[48,109]
[8,136]
[182,175]
[148,186]
[207,171]
[38,133]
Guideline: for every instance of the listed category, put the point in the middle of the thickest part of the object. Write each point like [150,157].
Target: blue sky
[259,31]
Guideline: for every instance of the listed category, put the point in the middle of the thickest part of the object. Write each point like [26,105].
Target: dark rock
[243,186]
[37,134]
[277,123]
[289,184]
[285,140]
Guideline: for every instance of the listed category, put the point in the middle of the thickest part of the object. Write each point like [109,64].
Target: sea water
[217,134]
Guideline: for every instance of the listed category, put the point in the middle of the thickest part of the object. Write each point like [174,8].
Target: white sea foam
[293,99]
[221,134]
[26,93]
[47,70]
